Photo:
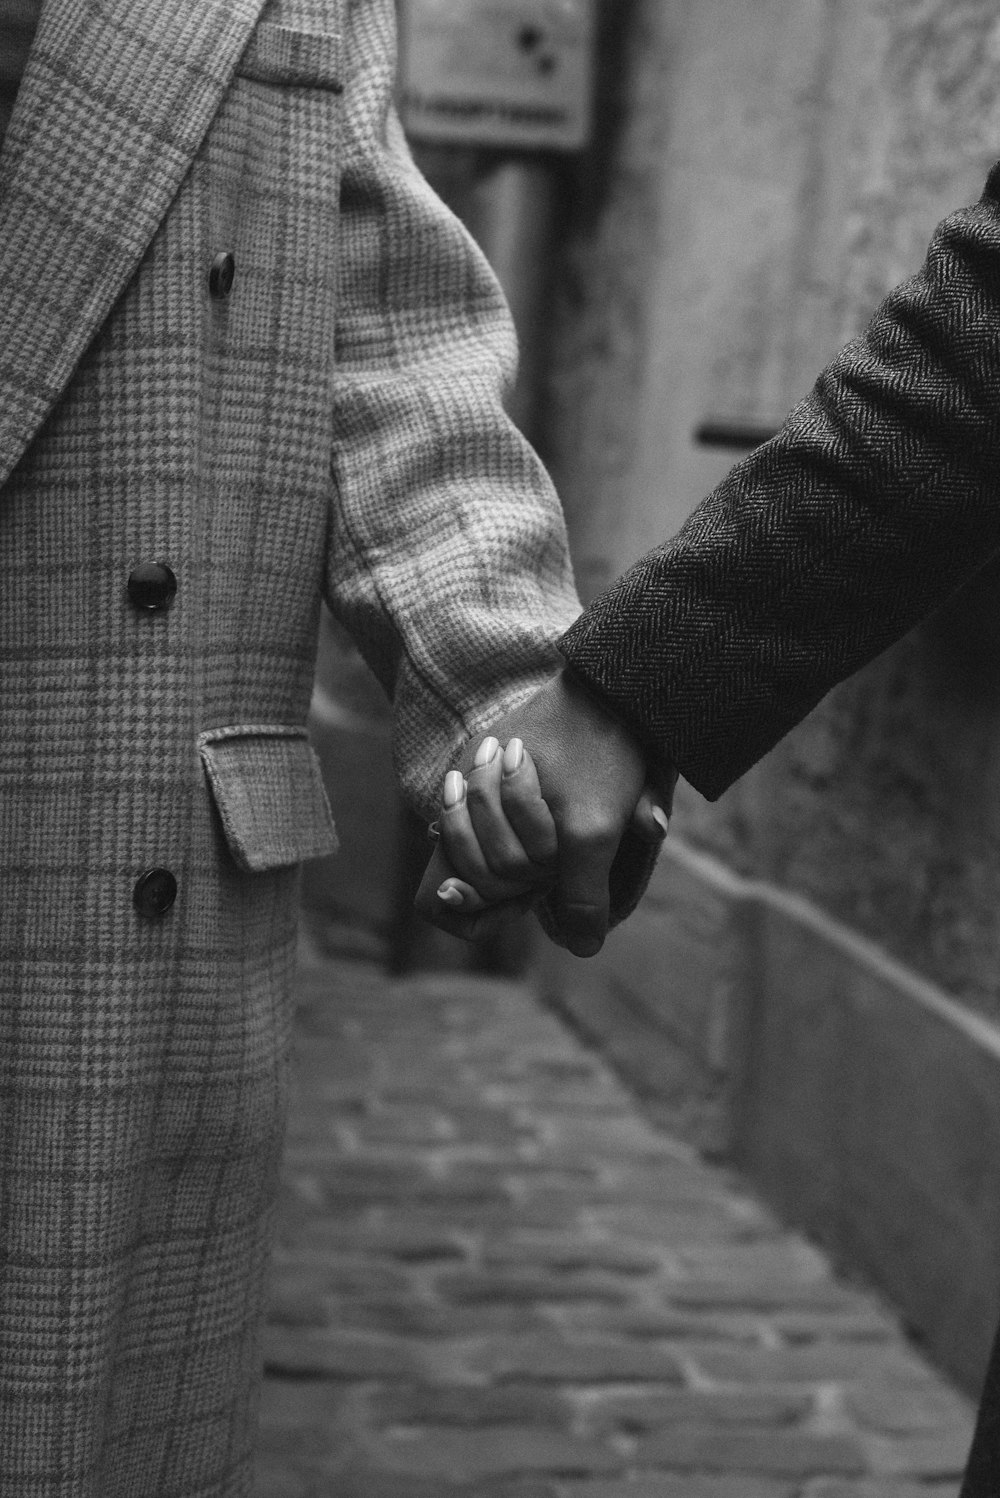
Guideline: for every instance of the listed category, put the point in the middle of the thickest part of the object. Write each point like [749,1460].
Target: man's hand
[590,776]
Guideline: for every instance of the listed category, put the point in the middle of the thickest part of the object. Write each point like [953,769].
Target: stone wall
[763,175]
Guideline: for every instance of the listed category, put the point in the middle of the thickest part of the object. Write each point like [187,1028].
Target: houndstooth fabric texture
[333,424]
[878,498]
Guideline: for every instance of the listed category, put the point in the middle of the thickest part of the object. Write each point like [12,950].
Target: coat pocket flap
[269,792]
[296,59]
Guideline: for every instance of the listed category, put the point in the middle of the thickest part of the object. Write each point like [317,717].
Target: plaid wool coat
[242,344]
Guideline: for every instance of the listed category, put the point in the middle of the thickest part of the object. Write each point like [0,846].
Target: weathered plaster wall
[764,173]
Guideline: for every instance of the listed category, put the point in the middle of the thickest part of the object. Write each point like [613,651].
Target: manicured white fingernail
[512,757]
[485,752]
[454,787]
[450,894]
[661,819]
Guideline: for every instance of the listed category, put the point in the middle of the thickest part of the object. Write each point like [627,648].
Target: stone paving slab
[496,1279]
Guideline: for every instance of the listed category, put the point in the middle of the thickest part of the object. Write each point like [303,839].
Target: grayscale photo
[499,749]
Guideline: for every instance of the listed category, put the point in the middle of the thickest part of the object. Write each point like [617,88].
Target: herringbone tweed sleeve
[878,498]
[448,560]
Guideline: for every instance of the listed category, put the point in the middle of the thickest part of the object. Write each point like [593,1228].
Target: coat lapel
[116,99]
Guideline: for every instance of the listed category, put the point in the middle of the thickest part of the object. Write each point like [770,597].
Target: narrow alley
[496,1279]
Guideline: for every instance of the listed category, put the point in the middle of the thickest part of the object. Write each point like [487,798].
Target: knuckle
[517,792]
[544,858]
[479,789]
[593,833]
[511,867]
[582,912]
[456,852]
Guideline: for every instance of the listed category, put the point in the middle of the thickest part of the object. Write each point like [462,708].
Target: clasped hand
[519,828]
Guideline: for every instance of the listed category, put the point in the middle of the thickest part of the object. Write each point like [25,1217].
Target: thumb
[579,904]
[650,820]
[651,817]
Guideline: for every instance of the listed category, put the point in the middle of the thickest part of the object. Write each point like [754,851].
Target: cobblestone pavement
[496,1279]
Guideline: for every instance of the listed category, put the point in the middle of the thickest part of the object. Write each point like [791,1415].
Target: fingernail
[661,819]
[451,894]
[485,752]
[454,787]
[512,757]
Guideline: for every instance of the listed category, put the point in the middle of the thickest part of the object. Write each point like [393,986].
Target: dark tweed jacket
[880,495]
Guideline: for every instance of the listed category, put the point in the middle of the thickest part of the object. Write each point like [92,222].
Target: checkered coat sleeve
[879,497]
[448,559]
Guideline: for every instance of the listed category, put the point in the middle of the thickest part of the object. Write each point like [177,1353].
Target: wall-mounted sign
[498,72]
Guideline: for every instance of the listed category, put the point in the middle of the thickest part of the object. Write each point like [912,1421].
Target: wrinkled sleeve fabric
[448,560]
[877,499]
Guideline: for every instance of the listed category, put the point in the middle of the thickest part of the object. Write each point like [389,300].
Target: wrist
[652,752]
[585,701]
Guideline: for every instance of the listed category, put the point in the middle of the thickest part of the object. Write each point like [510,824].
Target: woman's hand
[497,848]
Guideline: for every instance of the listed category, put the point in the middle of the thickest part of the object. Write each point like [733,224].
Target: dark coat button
[151,586]
[154,893]
[222,274]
